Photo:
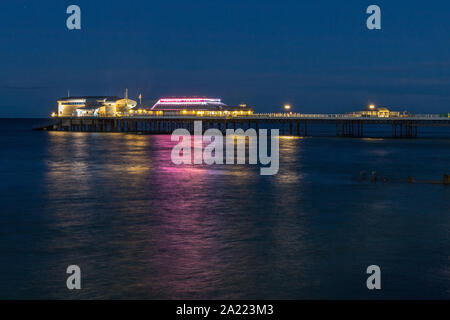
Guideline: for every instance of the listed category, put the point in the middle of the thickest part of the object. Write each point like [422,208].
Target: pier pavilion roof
[107,98]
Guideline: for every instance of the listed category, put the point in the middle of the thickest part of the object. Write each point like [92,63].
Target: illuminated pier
[292,124]
[113,114]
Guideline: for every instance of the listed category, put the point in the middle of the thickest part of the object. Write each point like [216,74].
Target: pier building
[379,112]
[111,106]
[199,106]
[92,106]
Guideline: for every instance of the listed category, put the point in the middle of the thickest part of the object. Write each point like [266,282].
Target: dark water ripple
[141,227]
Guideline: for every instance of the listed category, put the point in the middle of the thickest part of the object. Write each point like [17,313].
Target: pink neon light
[189,100]
[186,101]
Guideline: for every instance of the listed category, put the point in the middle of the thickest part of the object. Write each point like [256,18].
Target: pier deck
[289,124]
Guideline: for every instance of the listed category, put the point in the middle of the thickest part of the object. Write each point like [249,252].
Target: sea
[140,227]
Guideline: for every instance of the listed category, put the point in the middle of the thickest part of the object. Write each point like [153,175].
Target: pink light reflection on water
[190,241]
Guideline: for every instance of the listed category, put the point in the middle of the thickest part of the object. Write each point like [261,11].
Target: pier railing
[274,115]
[300,116]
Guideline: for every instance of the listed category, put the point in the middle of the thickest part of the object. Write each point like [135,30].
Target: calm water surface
[141,227]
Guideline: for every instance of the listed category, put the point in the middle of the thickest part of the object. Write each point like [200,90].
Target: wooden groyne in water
[445,180]
[292,125]
[374,177]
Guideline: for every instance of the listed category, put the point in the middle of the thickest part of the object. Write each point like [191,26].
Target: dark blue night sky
[317,55]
